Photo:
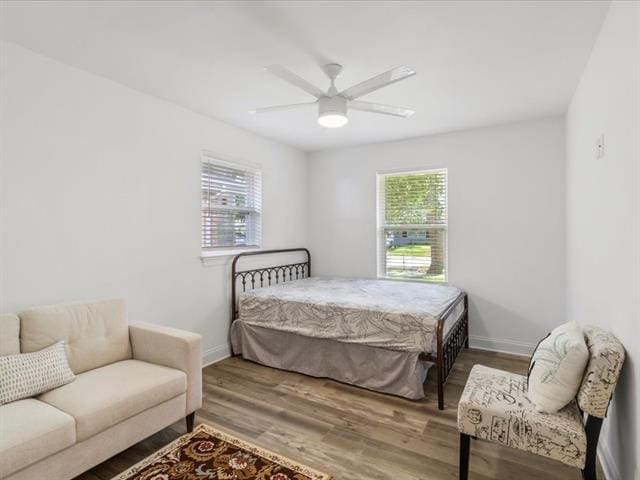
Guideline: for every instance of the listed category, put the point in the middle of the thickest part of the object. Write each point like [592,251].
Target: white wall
[506,230]
[603,215]
[101,195]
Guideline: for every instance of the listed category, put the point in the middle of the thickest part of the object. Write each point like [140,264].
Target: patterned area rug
[208,454]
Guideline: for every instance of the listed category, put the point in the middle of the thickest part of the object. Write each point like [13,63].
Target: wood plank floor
[347,431]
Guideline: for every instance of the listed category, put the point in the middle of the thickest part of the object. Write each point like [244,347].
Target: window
[231,198]
[412,225]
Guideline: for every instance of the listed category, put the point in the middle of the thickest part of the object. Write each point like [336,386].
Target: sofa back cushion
[606,356]
[95,333]
[9,334]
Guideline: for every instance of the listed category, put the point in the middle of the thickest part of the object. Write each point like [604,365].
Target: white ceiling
[478,63]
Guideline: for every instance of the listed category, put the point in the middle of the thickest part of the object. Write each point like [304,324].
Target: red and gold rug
[209,454]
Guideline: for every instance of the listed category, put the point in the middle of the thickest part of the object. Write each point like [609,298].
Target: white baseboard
[609,466]
[215,354]
[513,347]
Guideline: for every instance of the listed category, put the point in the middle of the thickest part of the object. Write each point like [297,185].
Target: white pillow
[28,374]
[557,367]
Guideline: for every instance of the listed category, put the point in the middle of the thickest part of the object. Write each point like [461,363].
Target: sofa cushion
[101,398]
[95,333]
[494,407]
[31,431]
[29,374]
[9,334]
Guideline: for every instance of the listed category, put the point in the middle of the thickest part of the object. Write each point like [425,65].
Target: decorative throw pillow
[28,374]
[533,355]
[557,367]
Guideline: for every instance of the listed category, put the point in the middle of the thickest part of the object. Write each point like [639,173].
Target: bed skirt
[387,371]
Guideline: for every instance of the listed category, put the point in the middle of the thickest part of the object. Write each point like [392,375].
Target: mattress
[390,314]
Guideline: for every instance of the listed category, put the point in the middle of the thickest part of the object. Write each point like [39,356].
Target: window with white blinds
[412,225]
[231,204]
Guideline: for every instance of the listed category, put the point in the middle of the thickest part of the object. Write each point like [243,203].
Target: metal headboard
[265,276]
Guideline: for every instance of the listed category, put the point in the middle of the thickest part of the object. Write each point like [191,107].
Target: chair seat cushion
[30,431]
[494,407]
[101,398]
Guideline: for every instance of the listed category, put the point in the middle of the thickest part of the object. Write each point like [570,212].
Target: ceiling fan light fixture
[333,104]
[333,120]
[332,112]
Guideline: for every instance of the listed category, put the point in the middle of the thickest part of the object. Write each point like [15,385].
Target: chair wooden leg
[592,428]
[190,418]
[465,445]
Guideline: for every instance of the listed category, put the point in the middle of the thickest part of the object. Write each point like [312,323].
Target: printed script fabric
[494,407]
[606,357]
[383,313]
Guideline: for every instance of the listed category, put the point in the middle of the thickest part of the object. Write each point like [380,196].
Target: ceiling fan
[333,105]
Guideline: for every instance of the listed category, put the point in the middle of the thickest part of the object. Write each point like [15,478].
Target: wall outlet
[600,147]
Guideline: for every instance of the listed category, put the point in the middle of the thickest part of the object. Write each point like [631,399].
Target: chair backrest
[606,356]
[9,334]
[95,333]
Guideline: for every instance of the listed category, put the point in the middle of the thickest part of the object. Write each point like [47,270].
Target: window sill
[417,280]
[222,257]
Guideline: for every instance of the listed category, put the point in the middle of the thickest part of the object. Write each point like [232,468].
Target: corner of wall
[215,354]
[307,199]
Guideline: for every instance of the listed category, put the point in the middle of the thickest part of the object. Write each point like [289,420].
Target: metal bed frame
[448,346]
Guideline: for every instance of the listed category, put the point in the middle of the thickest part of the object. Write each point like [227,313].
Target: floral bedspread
[383,313]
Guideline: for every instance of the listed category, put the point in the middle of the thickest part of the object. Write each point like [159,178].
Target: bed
[378,334]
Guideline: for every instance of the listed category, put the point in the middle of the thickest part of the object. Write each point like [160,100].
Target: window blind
[231,204]
[412,225]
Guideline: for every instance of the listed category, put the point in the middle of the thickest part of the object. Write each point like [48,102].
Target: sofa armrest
[173,348]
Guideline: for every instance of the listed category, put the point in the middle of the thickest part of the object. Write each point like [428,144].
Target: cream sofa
[131,381]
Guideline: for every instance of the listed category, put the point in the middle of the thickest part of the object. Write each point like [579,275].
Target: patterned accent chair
[494,407]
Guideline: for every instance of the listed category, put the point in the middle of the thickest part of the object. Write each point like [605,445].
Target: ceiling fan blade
[288,76]
[380,108]
[387,78]
[278,108]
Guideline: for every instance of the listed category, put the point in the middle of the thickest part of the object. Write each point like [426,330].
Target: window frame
[382,226]
[254,169]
